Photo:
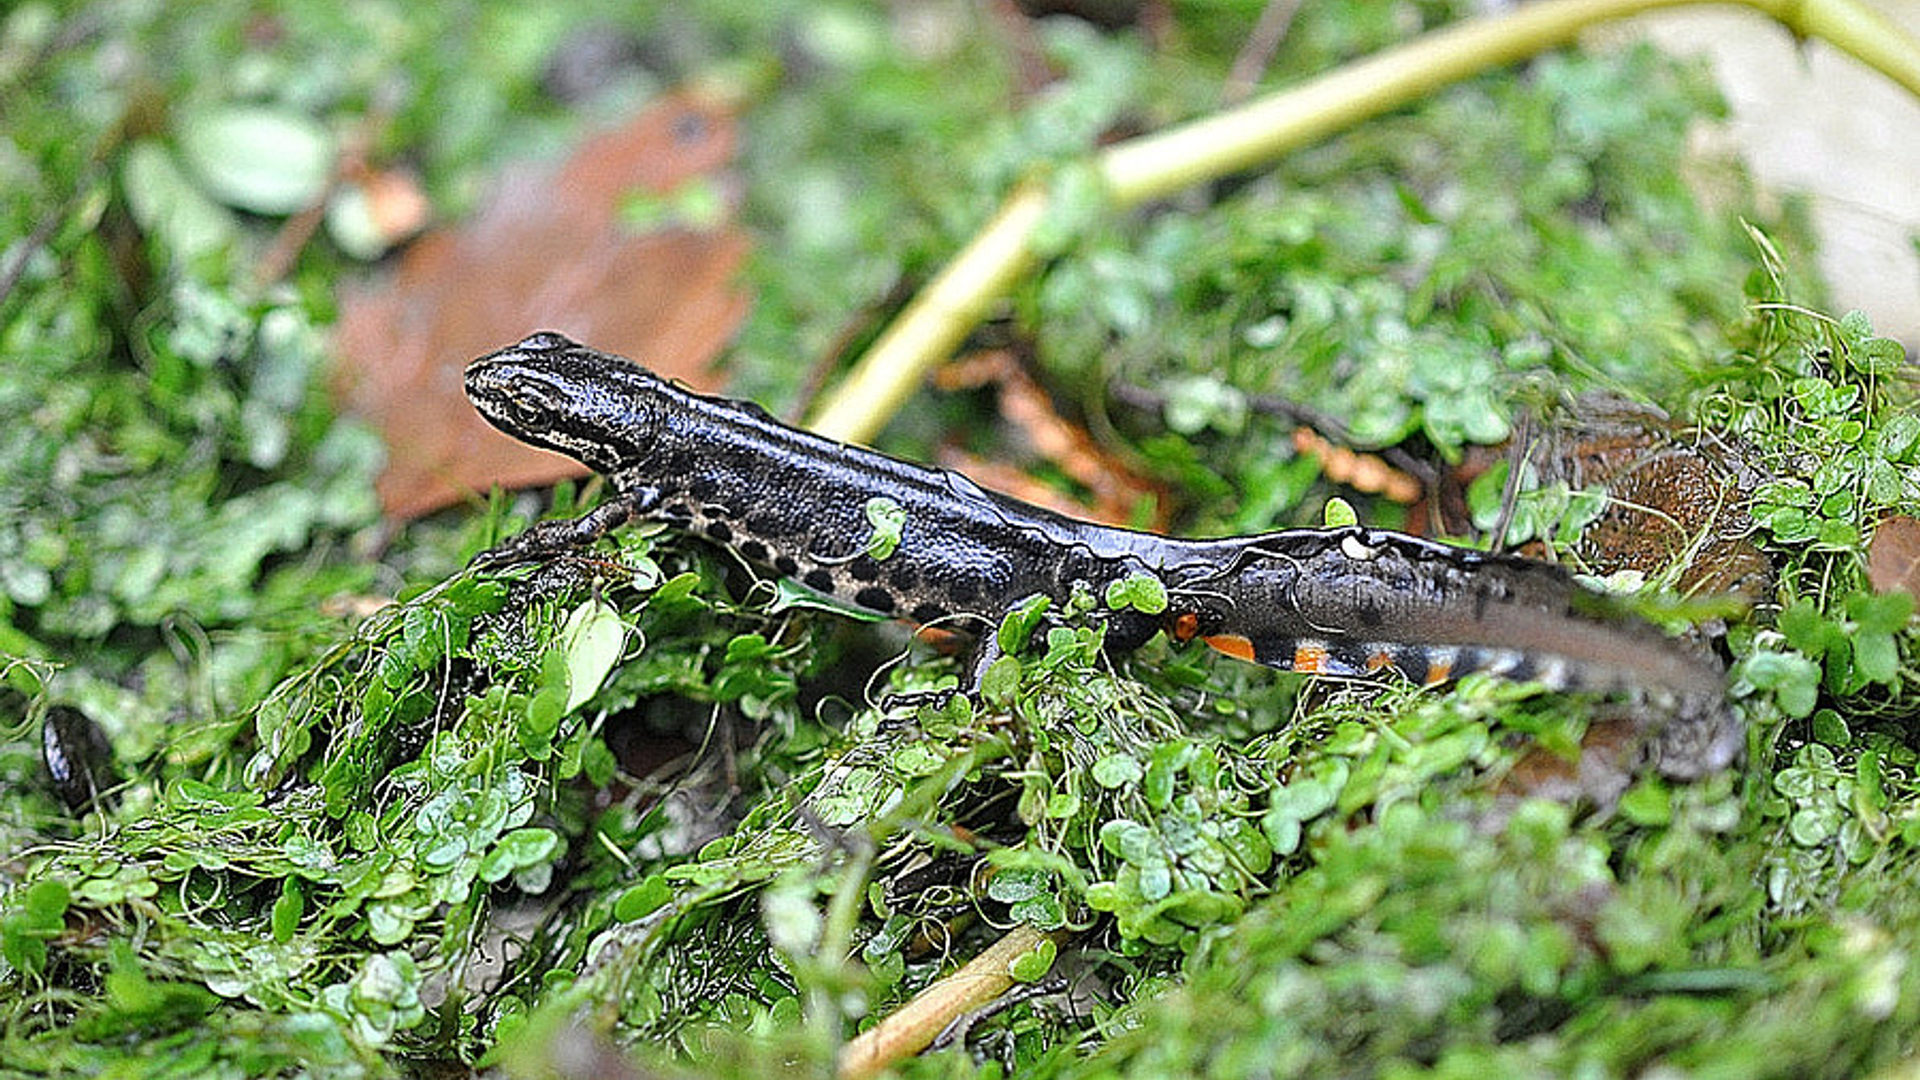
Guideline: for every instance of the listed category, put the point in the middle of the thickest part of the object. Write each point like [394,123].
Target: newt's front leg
[549,538]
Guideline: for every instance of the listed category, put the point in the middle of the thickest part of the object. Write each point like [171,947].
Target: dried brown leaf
[1116,490]
[547,252]
[1893,558]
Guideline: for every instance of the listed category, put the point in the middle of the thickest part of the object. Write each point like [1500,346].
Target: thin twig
[23,254]
[1519,452]
[915,1025]
[1269,30]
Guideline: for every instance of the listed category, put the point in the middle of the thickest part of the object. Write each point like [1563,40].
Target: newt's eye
[528,412]
[529,401]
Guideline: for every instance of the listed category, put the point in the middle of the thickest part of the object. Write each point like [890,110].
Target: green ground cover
[406,844]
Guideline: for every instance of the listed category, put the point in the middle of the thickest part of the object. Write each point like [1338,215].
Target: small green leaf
[139,999]
[916,759]
[1016,630]
[1881,613]
[1804,629]
[165,204]
[1018,883]
[1869,788]
[1033,965]
[1163,773]
[388,922]
[593,638]
[44,904]
[1900,434]
[1793,679]
[597,762]
[1789,524]
[677,591]
[267,160]
[1044,911]
[442,851]
[643,899]
[1000,681]
[1249,845]
[1108,895]
[1797,697]
[1876,658]
[792,595]
[1837,535]
[518,850]
[541,720]
[1647,803]
[1304,799]
[1283,832]
[1062,805]
[1339,513]
[889,521]
[1117,770]
[1131,841]
[1783,493]
[1829,728]
[287,909]
[1880,356]
[1813,825]
[38,918]
[1140,591]
[1883,482]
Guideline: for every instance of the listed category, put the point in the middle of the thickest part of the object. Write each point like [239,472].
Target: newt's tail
[1357,601]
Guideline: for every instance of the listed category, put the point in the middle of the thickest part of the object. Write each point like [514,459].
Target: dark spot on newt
[1370,614]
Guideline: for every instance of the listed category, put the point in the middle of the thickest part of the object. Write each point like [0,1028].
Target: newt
[1347,601]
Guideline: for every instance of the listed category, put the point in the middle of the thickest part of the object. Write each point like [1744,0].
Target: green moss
[319,837]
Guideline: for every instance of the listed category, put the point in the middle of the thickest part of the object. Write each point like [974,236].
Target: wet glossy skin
[1343,601]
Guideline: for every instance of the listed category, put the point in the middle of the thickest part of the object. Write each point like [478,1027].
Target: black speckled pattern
[1342,601]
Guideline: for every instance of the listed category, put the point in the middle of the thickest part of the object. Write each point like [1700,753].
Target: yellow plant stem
[1156,165]
[917,1023]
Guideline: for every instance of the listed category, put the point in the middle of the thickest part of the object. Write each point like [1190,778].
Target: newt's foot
[538,544]
[549,538]
[1702,737]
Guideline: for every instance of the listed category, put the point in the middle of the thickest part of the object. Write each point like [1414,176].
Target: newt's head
[555,393]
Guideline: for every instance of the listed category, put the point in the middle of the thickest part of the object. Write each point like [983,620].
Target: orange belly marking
[1233,645]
